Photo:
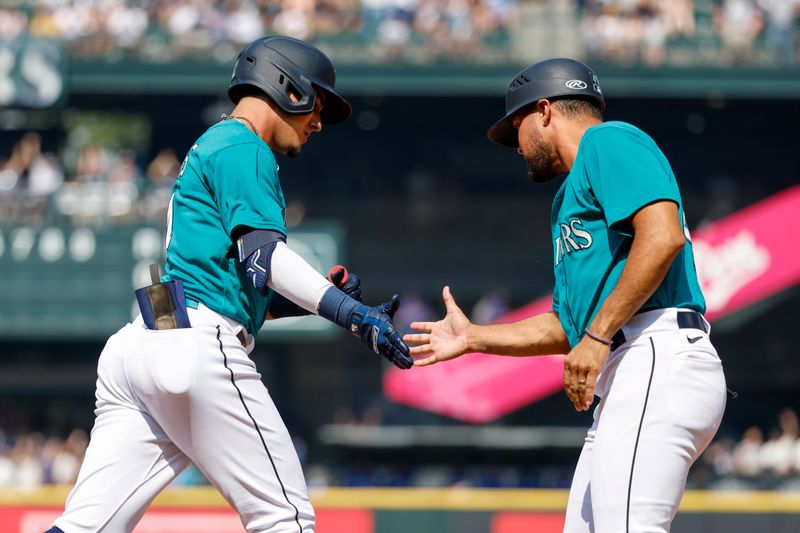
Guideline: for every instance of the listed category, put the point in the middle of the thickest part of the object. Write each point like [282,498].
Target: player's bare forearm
[537,335]
[455,335]
[658,238]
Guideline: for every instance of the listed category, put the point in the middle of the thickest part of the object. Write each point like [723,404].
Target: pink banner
[741,259]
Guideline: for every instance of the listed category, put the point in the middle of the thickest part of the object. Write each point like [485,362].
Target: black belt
[686,320]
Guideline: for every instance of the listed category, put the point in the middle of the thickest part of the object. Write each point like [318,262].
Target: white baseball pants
[165,398]
[662,396]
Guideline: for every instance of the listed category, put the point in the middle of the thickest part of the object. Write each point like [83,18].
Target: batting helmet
[546,79]
[278,65]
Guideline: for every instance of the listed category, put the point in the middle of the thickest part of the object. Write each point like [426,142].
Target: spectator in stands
[678,17]
[126,22]
[25,457]
[160,176]
[295,19]
[13,23]
[738,22]
[720,457]
[163,30]
[746,454]
[241,22]
[6,464]
[779,452]
[780,20]
[28,179]
[93,165]
[67,461]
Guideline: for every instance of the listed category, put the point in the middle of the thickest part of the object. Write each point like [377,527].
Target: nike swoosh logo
[693,340]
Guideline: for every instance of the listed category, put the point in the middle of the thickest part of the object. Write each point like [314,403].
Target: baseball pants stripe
[260,435]
[662,399]
[638,436]
[164,399]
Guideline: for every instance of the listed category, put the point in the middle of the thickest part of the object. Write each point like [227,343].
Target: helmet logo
[576,84]
[596,84]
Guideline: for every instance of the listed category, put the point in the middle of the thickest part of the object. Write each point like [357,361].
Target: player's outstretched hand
[443,340]
[374,326]
[345,281]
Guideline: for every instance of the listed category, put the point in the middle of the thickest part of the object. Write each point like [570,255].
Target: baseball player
[627,307]
[176,385]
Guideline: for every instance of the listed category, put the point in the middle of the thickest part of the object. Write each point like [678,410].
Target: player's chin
[295,148]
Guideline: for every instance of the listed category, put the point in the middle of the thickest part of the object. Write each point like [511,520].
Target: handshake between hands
[373,325]
[437,341]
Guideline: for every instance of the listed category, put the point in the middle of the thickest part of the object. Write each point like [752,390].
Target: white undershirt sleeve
[293,278]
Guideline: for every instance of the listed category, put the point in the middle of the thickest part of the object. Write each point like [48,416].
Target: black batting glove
[345,281]
[374,326]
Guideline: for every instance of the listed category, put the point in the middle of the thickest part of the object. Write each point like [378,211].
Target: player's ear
[544,108]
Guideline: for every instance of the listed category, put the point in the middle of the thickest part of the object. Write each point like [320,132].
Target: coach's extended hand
[445,339]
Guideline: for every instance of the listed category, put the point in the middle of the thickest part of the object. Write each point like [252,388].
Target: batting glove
[374,326]
[345,281]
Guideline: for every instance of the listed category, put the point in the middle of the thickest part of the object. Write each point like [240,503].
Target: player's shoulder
[617,136]
[615,130]
[229,139]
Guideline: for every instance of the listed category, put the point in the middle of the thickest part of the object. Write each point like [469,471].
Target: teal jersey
[617,171]
[228,179]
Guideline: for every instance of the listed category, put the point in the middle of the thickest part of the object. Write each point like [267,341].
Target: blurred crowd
[101,185]
[758,460]
[729,32]
[162,30]
[753,462]
[29,460]
[622,31]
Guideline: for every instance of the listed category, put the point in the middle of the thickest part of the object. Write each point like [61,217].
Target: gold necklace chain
[236,117]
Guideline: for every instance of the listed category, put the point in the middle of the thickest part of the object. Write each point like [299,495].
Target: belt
[686,320]
[201,314]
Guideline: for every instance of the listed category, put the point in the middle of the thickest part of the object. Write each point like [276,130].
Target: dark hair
[240,91]
[578,107]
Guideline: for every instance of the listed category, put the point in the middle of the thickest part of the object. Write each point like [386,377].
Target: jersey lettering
[573,238]
[169,222]
[172,199]
[685,227]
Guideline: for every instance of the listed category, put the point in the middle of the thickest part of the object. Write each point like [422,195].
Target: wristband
[592,336]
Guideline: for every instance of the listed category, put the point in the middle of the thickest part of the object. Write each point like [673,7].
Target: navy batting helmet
[278,65]
[546,79]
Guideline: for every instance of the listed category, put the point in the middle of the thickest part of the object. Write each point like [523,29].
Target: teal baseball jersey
[618,170]
[228,179]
